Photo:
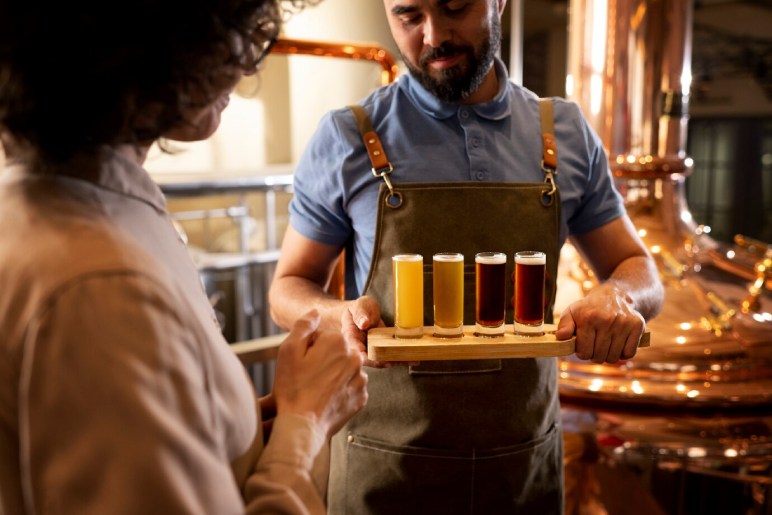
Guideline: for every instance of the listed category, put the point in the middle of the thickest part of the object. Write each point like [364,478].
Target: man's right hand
[359,316]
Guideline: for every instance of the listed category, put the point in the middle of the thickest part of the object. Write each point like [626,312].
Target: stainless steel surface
[200,185]
[242,311]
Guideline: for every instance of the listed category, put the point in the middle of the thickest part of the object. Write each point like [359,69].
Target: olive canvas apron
[447,437]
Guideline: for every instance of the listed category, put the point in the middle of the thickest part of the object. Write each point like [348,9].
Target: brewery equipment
[694,410]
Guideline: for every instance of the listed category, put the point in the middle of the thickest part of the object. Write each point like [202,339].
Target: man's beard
[456,83]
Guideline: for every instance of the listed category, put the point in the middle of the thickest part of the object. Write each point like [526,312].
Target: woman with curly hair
[119,393]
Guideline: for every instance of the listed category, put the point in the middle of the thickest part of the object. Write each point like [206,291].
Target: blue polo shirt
[428,140]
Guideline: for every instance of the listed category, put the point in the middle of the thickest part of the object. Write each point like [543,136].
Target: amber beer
[530,267]
[490,298]
[408,274]
[448,283]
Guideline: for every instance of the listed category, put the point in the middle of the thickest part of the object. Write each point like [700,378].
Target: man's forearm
[639,279]
[292,297]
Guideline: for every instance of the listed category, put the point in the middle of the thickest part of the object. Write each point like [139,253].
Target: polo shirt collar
[495,109]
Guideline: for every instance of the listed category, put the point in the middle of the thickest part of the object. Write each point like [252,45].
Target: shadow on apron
[502,480]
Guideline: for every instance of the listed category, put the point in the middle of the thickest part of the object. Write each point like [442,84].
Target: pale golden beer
[408,273]
[490,294]
[448,282]
[530,267]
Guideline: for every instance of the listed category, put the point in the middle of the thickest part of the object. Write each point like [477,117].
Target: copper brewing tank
[700,398]
[714,335]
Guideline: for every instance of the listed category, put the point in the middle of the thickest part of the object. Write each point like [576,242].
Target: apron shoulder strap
[550,151]
[372,142]
[381,165]
[549,160]
[381,162]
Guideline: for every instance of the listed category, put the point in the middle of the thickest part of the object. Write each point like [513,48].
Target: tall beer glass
[530,267]
[448,273]
[490,299]
[408,273]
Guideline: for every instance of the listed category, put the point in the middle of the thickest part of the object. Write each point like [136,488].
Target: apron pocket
[383,478]
[524,479]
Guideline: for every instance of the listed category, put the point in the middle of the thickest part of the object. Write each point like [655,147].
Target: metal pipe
[357,51]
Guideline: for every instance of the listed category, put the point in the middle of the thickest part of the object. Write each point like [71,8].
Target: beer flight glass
[448,282]
[408,281]
[530,267]
[490,298]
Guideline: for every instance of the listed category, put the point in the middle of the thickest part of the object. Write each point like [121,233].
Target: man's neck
[487,90]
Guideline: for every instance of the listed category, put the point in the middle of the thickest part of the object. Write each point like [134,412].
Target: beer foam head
[531,258]
[490,258]
[408,257]
[449,256]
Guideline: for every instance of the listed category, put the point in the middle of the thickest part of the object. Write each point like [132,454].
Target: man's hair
[79,74]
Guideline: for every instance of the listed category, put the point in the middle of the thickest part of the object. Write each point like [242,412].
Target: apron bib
[472,436]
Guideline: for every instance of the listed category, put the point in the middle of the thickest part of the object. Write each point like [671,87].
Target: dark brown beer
[490,298]
[529,291]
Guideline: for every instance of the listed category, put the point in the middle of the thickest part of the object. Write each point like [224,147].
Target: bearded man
[454,157]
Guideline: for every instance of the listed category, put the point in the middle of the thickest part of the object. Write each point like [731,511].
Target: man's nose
[436,31]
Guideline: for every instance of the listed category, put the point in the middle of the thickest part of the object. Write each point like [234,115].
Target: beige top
[119,393]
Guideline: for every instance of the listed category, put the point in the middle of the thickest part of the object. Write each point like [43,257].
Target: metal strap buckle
[384,174]
[548,194]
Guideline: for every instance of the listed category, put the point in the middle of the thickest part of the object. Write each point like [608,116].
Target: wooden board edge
[382,346]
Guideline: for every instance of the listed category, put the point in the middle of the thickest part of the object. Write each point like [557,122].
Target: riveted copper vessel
[700,399]
[712,345]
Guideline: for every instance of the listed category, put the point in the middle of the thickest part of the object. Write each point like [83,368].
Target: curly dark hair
[77,74]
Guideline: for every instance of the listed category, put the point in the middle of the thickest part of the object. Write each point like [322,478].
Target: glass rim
[407,257]
[492,258]
[450,257]
[531,257]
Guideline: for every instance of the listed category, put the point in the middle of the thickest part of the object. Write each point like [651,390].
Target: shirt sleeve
[317,208]
[116,406]
[599,201]
[283,480]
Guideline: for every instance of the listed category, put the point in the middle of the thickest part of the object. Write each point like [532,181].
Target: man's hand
[362,314]
[606,325]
